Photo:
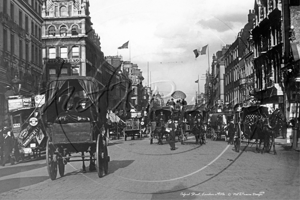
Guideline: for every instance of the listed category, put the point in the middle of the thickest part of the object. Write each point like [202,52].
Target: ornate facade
[68,36]
[20,47]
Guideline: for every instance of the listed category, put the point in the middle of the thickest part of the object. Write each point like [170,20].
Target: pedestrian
[231,132]
[160,120]
[171,129]
[7,146]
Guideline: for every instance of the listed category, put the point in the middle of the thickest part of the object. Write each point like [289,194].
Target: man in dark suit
[7,145]
[171,127]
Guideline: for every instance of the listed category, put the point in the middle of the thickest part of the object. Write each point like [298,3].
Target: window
[5,6]
[26,52]
[32,28]
[75,52]
[12,11]
[26,23]
[12,43]
[74,30]
[75,70]
[20,18]
[36,31]
[39,36]
[5,39]
[36,55]
[32,53]
[63,11]
[52,53]
[63,30]
[64,52]
[20,49]
[51,31]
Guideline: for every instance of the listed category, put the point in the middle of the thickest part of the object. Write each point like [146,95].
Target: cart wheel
[51,161]
[61,167]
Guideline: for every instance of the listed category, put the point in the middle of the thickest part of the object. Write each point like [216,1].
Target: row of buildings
[262,64]
[41,39]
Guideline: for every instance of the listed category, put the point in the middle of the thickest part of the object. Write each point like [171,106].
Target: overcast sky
[164,34]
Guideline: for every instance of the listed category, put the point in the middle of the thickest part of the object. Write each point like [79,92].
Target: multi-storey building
[20,47]
[136,77]
[291,66]
[267,41]
[68,36]
[218,72]
[235,67]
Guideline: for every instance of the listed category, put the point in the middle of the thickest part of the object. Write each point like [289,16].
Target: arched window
[63,11]
[51,31]
[63,30]
[74,30]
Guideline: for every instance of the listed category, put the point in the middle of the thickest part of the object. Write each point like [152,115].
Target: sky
[162,35]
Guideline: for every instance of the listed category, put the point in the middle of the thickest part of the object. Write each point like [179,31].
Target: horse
[263,128]
[198,130]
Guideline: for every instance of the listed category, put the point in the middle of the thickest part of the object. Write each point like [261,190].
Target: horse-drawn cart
[216,125]
[259,123]
[159,117]
[75,125]
[132,128]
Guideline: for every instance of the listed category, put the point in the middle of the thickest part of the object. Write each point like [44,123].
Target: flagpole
[198,87]
[129,52]
[208,57]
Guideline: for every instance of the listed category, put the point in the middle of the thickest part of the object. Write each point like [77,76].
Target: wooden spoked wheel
[51,161]
[101,157]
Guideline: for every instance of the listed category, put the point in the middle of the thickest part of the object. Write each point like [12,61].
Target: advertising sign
[39,100]
[15,104]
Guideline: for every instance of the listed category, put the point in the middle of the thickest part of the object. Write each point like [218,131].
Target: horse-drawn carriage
[195,124]
[216,125]
[132,128]
[258,123]
[158,118]
[74,115]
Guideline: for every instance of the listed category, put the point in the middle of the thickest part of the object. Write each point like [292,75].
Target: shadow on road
[177,192]
[114,165]
[15,183]
[5,171]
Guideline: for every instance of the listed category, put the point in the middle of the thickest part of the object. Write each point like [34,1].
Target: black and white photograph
[149,99]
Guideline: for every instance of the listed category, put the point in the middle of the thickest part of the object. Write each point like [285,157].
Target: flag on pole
[196,81]
[203,50]
[196,53]
[124,46]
